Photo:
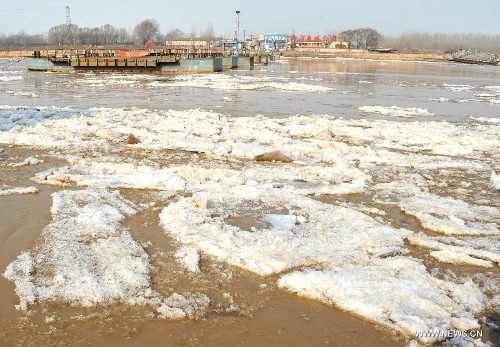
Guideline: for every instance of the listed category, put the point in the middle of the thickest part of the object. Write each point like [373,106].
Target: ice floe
[86,258]
[263,216]
[26,162]
[450,216]
[237,82]
[396,292]
[495,180]
[19,190]
[326,235]
[396,111]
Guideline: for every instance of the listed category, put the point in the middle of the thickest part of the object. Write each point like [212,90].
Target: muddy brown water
[266,315]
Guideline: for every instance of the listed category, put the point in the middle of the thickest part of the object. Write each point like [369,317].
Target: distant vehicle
[382,50]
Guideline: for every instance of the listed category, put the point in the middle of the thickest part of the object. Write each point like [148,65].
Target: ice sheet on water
[493,88]
[11,116]
[216,134]
[18,190]
[451,216]
[341,179]
[86,258]
[26,162]
[328,235]
[238,82]
[396,111]
[459,254]
[396,292]
[457,87]
[329,155]
[112,175]
[10,78]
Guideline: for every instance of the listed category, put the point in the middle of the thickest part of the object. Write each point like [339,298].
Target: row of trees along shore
[149,31]
[70,34]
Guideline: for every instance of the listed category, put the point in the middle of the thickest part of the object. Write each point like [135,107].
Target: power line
[28,9]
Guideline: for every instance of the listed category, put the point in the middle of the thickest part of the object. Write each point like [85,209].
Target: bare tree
[57,34]
[94,36]
[176,32]
[444,41]
[347,36]
[146,31]
[372,37]
[71,34]
[123,36]
[109,34]
[82,35]
[209,32]
[194,31]
[361,37]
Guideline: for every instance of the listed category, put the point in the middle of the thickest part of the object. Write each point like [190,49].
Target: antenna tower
[68,17]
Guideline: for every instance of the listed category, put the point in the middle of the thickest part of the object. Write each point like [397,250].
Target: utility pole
[237,25]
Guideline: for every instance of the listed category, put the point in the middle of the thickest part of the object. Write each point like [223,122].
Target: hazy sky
[389,17]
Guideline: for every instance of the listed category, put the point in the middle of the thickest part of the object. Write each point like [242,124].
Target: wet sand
[266,315]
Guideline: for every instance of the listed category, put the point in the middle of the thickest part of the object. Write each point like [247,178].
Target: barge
[473,57]
[169,61]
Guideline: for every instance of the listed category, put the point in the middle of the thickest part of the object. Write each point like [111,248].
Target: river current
[297,203]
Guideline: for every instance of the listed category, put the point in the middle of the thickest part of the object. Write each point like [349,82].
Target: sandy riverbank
[367,55]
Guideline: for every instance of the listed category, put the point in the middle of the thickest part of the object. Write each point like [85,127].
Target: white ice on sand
[86,258]
[339,249]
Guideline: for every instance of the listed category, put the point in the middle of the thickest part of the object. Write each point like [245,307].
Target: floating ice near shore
[19,190]
[396,292]
[261,216]
[10,78]
[457,87]
[237,82]
[395,111]
[328,234]
[450,216]
[457,253]
[26,162]
[86,258]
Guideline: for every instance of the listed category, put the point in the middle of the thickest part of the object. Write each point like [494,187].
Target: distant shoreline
[323,53]
[367,55]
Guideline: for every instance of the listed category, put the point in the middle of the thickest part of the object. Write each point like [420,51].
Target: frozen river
[383,202]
